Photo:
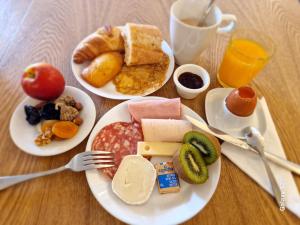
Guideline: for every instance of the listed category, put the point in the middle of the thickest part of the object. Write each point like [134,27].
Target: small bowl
[189,93]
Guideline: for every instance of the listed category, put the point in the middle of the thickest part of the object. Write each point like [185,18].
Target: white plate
[23,134]
[109,90]
[219,117]
[160,209]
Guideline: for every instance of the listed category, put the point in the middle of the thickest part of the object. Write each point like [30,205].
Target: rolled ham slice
[165,129]
[155,109]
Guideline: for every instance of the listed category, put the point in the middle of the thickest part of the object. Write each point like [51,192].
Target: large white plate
[220,117]
[23,134]
[109,90]
[160,209]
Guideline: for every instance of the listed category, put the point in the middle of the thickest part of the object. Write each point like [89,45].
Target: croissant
[105,39]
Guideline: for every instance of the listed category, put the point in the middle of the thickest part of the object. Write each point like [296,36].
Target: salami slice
[119,138]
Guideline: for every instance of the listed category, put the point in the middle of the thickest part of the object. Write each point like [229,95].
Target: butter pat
[167,179]
[157,148]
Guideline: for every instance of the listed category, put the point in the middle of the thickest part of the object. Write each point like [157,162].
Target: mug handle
[231,26]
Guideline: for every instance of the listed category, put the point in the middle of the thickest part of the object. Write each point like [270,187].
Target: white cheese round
[134,180]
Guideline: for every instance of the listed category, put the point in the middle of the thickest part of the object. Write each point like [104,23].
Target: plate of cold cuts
[165,170]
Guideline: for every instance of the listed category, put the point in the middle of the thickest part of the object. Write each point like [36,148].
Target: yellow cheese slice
[157,148]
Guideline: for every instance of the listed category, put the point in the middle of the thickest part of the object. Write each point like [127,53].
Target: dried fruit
[78,106]
[49,112]
[64,129]
[78,121]
[47,125]
[40,105]
[32,114]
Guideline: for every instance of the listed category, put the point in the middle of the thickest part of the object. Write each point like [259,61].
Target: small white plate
[220,117]
[109,90]
[162,209]
[23,134]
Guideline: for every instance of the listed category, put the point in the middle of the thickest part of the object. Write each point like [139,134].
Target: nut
[68,113]
[78,121]
[78,106]
[65,100]
[44,138]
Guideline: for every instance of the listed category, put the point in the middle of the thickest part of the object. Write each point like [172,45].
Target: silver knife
[237,142]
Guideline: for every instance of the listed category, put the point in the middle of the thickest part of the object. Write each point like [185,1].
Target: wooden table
[46,30]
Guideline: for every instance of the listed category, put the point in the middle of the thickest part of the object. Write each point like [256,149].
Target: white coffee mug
[189,41]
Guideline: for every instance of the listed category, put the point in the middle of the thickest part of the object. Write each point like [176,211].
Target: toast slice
[142,44]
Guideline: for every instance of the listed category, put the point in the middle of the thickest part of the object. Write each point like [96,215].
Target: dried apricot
[64,129]
[47,125]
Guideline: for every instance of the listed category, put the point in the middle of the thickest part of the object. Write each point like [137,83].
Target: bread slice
[142,44]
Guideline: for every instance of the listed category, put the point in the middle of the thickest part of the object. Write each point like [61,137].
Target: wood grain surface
[46,30]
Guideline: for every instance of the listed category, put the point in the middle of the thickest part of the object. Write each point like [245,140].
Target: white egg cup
[188,93]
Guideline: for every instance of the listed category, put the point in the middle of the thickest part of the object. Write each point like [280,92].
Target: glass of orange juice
[246,55]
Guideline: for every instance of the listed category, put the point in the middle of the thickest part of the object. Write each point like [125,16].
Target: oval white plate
[161,208]
[109,90]
[23,134]
[219,116]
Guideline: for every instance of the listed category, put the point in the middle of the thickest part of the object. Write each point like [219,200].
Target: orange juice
[243,59]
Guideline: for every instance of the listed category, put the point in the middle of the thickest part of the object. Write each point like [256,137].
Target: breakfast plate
[109,90]
[221,118]
[173,208]
[23,134]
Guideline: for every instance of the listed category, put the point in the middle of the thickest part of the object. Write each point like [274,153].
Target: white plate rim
[64,148]
[119,96]
[127,220]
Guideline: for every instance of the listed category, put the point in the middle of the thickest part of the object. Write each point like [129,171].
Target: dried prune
[49,112]
[32,114]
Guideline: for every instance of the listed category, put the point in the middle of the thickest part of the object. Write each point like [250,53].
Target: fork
[80,162]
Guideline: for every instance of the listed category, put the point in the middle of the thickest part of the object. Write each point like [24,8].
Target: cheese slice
[157,148]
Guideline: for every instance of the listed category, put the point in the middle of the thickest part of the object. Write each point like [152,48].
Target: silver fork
[80,162]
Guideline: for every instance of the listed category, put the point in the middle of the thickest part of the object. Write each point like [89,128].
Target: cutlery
[206,12]
[80,162]
[256,140]
[235,141]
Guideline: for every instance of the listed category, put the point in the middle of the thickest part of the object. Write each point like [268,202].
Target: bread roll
[142,44]
[103,69]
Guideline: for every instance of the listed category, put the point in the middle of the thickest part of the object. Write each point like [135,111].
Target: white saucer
[219,117]
[23,134]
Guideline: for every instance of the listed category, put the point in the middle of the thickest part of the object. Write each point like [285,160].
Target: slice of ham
[155,109]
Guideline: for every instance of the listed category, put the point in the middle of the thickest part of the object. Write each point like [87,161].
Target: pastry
[104,68]
[142,44]
[105,39]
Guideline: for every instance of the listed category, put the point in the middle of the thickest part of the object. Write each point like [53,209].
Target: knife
[293,167]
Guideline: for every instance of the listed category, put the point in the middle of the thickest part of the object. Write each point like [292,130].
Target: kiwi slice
[208,146]
[189,165]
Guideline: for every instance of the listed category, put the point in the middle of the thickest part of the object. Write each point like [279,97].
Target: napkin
[253,166]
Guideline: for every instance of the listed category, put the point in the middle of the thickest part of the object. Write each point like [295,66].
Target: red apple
[43,81]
